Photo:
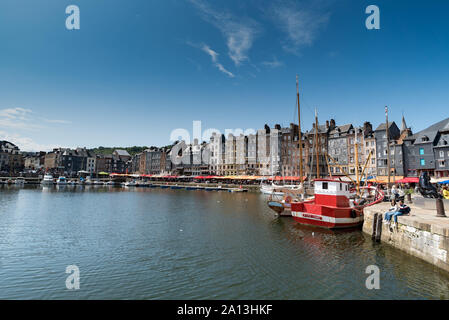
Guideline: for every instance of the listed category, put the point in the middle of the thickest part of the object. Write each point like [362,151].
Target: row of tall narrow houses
[428,150]
[72,161]
[266,152]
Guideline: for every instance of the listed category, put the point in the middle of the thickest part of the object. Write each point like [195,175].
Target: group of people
[397,209]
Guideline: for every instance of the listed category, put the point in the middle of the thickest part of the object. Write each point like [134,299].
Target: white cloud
[301,24]
[24,119]
[14,113]
[214,57]
[273,64]
[21,119]
[222,69]
[239,32]
[210,52]
[24,143]
[56,121]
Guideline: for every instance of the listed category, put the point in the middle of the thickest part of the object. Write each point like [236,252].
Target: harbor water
[142,243]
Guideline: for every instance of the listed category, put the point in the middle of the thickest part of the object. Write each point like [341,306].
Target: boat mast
[299,131]
[388,146]
[356,146]
[317,146]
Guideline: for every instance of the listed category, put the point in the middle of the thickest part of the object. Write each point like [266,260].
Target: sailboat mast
[299,130]
[356,147]
[388,146]
[317,147]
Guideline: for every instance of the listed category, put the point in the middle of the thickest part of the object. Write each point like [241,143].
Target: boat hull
[326,221]
[310,213]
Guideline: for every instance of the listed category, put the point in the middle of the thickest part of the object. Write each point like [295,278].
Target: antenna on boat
[317,146]
[299,131]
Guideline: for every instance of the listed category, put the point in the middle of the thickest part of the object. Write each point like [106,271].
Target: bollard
[373,236]
[440,208]
[379,228]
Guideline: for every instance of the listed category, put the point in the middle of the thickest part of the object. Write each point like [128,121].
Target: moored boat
[48,180]
[20,181]
[131,184]
[61,180]
[237,190]
[335,205]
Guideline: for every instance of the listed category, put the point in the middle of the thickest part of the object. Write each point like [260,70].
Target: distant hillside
[108,150]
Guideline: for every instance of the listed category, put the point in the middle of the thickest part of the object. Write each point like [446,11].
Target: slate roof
[429,134]
[122,152]
[383,126]
[341,129]
[321,129]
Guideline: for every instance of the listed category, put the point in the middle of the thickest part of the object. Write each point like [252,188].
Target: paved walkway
[419,217]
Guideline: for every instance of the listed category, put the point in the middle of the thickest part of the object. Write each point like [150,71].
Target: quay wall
[420,234]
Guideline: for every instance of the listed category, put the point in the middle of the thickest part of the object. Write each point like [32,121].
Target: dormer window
[425,138]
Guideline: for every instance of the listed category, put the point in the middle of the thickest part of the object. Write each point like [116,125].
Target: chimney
[332,124]
[277,126]
[327,124]
[367,127]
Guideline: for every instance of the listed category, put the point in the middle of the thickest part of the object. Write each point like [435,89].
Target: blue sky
[138,69]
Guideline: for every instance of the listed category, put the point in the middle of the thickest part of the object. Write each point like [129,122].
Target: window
[341,186]
[423,162]
[441,154]
[325,185]
[421,151]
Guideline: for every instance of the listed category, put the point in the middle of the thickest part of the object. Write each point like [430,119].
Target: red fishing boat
[335,205]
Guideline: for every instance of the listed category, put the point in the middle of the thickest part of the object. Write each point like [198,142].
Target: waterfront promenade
[421,234]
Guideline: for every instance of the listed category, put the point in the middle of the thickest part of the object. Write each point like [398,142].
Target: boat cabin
[333,193]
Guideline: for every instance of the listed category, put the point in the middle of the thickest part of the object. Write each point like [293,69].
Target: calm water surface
[175,244]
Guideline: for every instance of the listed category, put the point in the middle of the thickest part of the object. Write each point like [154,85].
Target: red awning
[287,178]
[408,180]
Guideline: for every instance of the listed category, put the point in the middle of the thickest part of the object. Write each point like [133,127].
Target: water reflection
[148,243]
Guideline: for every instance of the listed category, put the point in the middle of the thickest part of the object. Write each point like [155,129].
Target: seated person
[394,209]
[403,209]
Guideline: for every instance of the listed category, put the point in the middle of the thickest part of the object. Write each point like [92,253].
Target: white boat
[131,184]
[20,181]
[98,183]
[48,180]
[275,189]
[61,180]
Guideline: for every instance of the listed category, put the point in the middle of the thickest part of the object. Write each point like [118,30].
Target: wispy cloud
[56,121]
[24,143]
[24,119]
[239,32]
[214,57]
[301,23]
[18,118]
[273,64]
